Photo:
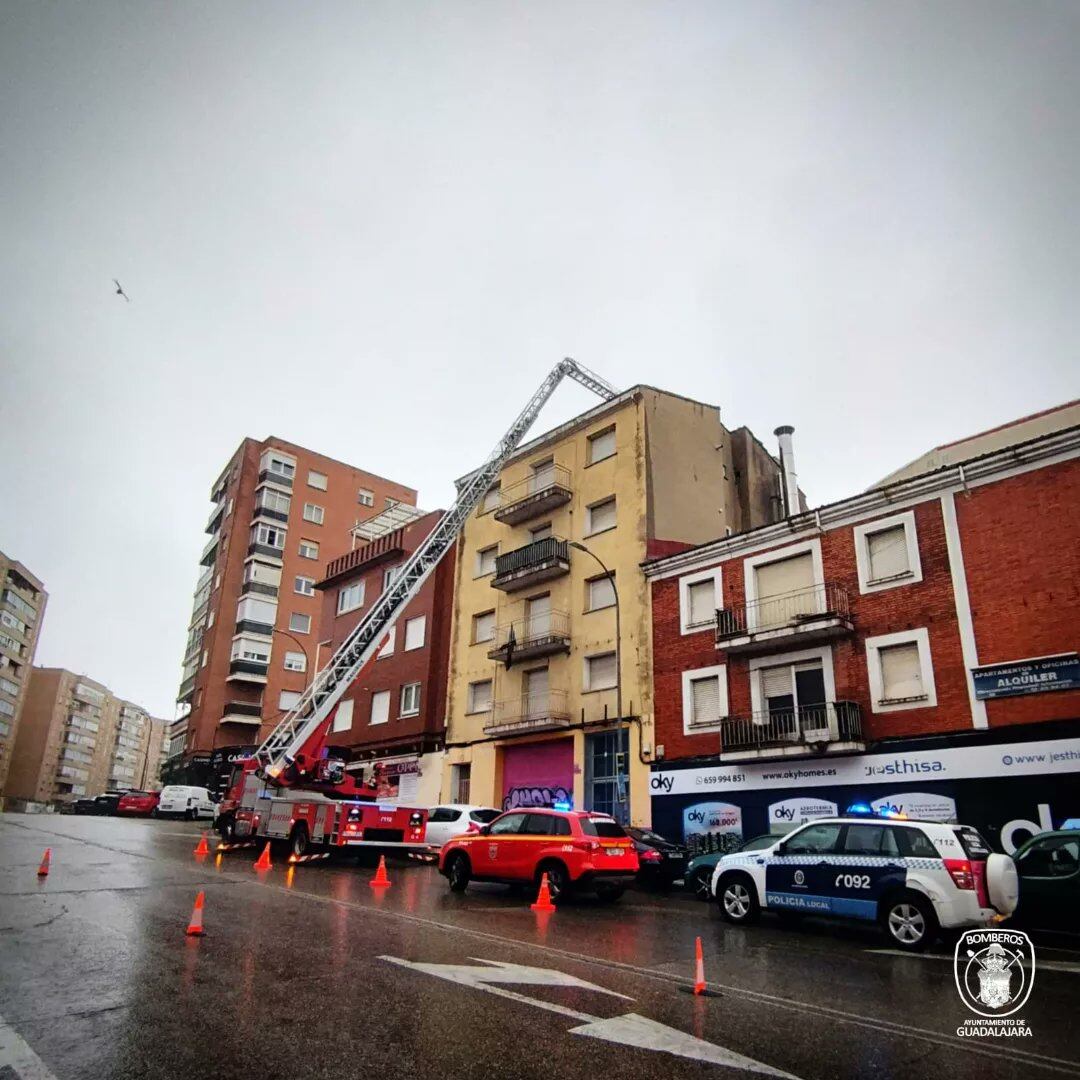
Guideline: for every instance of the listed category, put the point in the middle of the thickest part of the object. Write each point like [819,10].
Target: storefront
[1009,790]
[538,774]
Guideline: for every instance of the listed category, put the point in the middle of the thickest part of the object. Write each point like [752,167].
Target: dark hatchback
[99,805]
[661,862]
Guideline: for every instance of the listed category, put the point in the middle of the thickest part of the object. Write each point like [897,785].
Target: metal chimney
[787,470]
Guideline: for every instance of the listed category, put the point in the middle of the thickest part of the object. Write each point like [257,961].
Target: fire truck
[295,787]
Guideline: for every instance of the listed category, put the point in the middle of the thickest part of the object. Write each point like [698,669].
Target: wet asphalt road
[306,973]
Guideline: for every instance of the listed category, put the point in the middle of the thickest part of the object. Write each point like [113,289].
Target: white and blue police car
[912,877]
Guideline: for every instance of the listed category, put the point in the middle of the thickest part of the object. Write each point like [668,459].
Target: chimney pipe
[787,470]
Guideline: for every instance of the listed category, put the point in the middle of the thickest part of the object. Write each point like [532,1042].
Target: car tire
[559,883]
[739,904]
[909,921]
[154,813]
[299,840]
[701,883]
[607,894]
[226,829]
[458,872]
[189,815]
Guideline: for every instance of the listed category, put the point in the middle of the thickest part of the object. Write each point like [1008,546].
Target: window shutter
[601,671]
[388,647]
[602,446]
[776,682]
[414,633]
[343,716]
[601,593]
[901,672]
[888,553]
[380,707]
[702,602]
[480,697]
[536,682]
[785,576]
[491,498]
[543,476]
[486,560]
[602,516]
[706,700]
[485,626]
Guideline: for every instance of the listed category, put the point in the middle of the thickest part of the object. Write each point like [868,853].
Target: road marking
[630,1029]
[17,1055]
[1044,965]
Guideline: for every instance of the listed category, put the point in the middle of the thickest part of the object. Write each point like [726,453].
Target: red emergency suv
[577,850]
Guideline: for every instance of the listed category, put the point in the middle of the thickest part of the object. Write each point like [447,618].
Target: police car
[912,877]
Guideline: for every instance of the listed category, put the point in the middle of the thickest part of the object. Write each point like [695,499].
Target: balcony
[538,494]
[247,671]
[834,727]
[209,553]
[270,514]
[545,710]
[268,475]
[187,689]
[531,565]
[242,712]
[804,616]
[214,521]
[249,626]
[266,550]
[533,637]
[258,587]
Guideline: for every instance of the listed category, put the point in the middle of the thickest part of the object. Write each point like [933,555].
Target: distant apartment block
[22,606]
[280,514]
[137,750]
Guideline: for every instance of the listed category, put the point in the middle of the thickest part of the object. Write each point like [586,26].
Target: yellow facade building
[532,716]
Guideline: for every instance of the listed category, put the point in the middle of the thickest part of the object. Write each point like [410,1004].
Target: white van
[187,802]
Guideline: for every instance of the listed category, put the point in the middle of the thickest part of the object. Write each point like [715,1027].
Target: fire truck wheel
[558,879]
[226,827]
[459,872]
[299,841]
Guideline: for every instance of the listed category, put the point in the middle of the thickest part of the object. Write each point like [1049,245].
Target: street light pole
[618,676]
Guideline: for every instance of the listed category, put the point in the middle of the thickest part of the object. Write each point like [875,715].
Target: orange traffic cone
[43,869]
[543,897]
[263,861]
[202,848]
[195,927]
[380,877]
[699,968]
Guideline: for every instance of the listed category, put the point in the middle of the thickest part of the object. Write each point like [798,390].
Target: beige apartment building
[535,683]
[22,608]
[137,750]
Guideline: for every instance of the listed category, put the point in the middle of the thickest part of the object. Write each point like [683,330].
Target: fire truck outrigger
[292,788]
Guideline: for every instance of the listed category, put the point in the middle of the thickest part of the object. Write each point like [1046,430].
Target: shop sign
[918,804]
[1027,676]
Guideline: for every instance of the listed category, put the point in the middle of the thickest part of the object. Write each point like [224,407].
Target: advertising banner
[712,817]
[1027,676]
[788,813]
[918,804]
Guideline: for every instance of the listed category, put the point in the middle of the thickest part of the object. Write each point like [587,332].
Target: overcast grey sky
[371,228]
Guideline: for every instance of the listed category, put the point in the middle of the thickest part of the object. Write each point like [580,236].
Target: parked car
[453,819]
[137,803]
[179,800]
[699,870]
[576,849]
[1049,869]
[99,805]
[662,862]
[912,877]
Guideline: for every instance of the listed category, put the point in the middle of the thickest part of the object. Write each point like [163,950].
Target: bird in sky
[120,291]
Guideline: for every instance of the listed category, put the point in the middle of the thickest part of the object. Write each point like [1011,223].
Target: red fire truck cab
[254,809]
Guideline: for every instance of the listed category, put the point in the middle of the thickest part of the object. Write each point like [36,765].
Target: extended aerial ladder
[300,730]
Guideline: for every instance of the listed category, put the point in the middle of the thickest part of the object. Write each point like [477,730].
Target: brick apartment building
[392,720]
[280,514]
[912,646]
[22,608]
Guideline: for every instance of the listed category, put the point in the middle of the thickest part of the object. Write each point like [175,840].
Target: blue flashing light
[1071,823]
[859,808]
[561,806]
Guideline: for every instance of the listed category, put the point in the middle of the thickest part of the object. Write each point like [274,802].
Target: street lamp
[618,676]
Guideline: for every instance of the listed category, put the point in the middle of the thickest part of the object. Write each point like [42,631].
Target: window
[415,631]
[9,687]
[900,671]
[288,699]
[283,467]
[350,597]
[460,777]
[443,815]
[600,518]
[543,476]
[388,576]
[541,532]
[309,549]
[365,497]
[388,647]
[300,623]
[601,593]
[343,716]
[410,699]
[485,560]
[601,672]
[7,708]
[869,840]
[380,707]
[305,586]
[316,480]
[507,825]
[783,585]
[704,698]
[483,627]
[491,499]
[268,536]
[1054,857]
[251,649]
[915,844]
[813,840]
[260,612]
[295,661]
[205,657]
[313,513]
[272,499]
[699,598]
[887,553]
[479,697]
[601,446]
[389,503]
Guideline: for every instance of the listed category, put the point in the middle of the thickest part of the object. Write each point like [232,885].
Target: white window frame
[309,582]
[861,535]
[590,442]
[388,576]
[413,710]
[379,695]
[295,661]
[716,575]
[589,530]
[299,615]
[293,696]
[477,571]
[314,513]
[470,710]
[799,656]
[365,497]
[388,645]
[751,564]
[350,597]
[312,483]
[422,620]
[311,544]
[343,718]
[586,671]
[921,637]
[716,670]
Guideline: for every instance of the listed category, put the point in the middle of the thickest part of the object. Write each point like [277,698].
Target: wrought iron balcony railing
[791,609]
[807,725]
[532,636]
[539,561]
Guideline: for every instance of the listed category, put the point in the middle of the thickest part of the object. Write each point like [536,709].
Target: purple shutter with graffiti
[540,774]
